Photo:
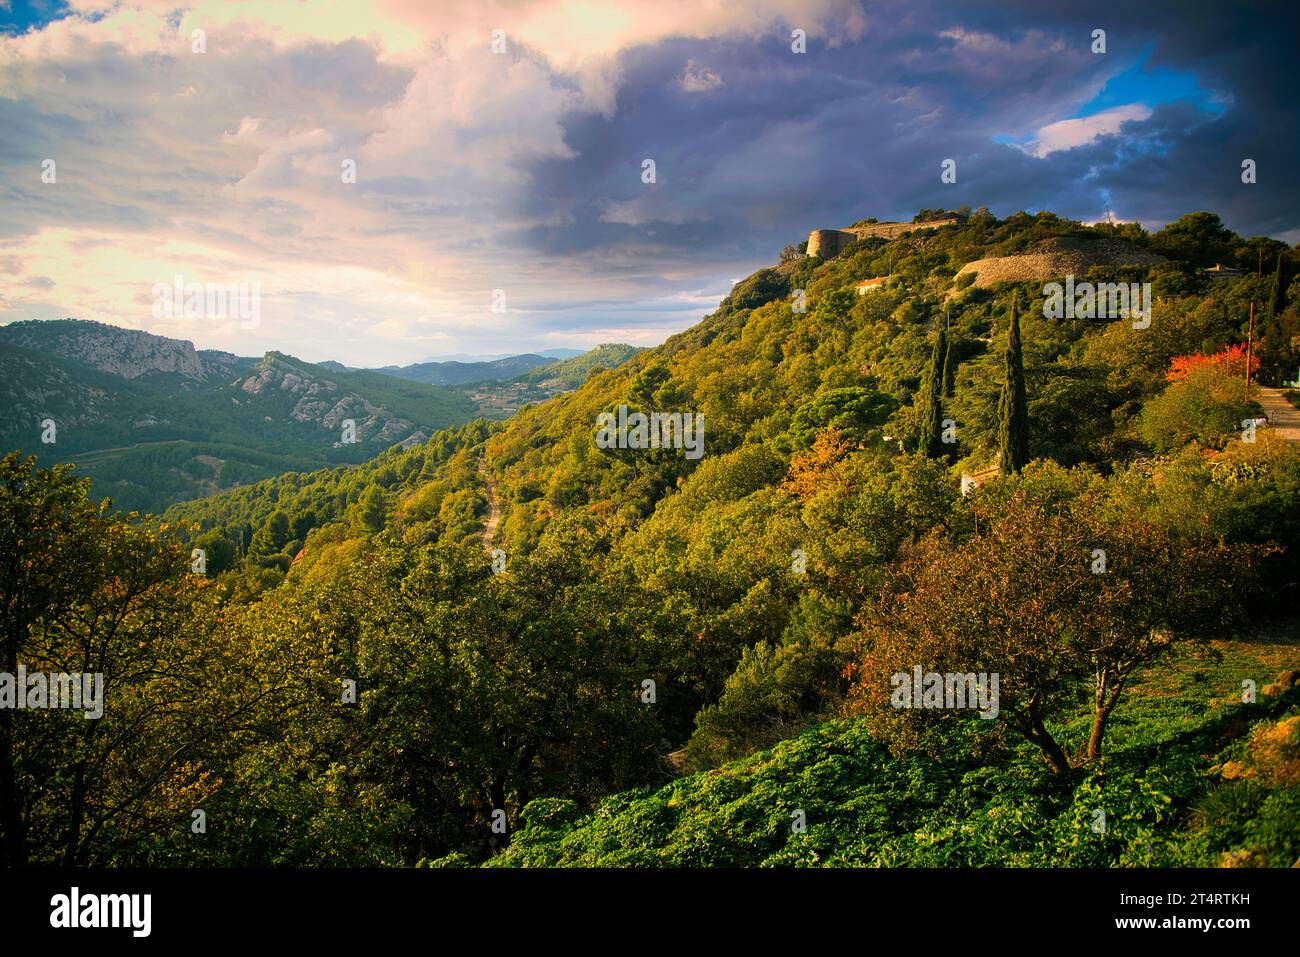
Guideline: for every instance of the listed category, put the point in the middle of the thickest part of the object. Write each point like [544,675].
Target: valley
[154,421]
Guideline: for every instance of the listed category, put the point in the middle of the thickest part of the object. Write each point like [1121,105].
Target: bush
[1207,406]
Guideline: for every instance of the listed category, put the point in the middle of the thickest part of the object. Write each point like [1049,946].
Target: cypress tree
[950,369]
[1274,349]
[1275,295]
[932,402]
[1013,406]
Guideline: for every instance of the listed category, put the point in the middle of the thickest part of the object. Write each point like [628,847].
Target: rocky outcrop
[320,401]
[221,366]
[128,353]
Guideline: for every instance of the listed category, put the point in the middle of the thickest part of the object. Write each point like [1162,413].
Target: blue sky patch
[1152,86]
[19,16]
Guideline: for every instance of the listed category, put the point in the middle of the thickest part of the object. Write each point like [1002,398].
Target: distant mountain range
[500,385]
[452,372]
[153,420]
[502,398]
[492,357]
[464,368]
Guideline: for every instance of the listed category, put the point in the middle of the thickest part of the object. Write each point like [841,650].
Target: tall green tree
[931,419]
[372,509]
[219,551]
[1013,406]
[271,537]
[48,531]
[1275,303]
[1275,341]
[950,369]
[90,592]
[541,664]
[1198,238]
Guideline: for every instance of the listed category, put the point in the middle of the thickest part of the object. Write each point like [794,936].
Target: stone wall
[828,243]
[1054,258]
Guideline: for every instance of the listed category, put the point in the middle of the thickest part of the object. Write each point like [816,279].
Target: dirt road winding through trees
[494,505]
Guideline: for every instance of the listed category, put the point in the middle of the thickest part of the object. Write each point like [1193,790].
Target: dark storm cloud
[523,171]
[782,142]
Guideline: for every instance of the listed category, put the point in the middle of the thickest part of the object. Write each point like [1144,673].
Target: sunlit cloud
[517,166]
[1080,131]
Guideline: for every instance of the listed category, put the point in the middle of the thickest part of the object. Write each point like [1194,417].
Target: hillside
[154,421]
[571,373]
[668,655]
[499,399]
[1053,258]
[1196,782]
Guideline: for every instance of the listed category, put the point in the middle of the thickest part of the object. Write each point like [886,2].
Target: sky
[396,180]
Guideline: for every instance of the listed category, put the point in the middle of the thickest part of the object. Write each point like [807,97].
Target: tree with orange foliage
[1207,401]
[813,470]
[1231,360]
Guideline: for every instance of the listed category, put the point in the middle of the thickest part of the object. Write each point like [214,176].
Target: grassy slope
[1164,787]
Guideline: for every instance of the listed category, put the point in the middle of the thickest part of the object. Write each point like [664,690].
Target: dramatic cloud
[380,169]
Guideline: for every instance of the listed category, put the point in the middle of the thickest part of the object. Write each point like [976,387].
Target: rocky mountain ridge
[129,353]
[152,420]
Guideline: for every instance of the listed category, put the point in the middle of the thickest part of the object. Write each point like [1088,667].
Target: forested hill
[793,351]
[639,613]
[451,372]
[765,374]
[572,372]
[151,420]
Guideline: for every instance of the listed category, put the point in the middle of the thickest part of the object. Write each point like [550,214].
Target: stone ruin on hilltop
[828,243]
